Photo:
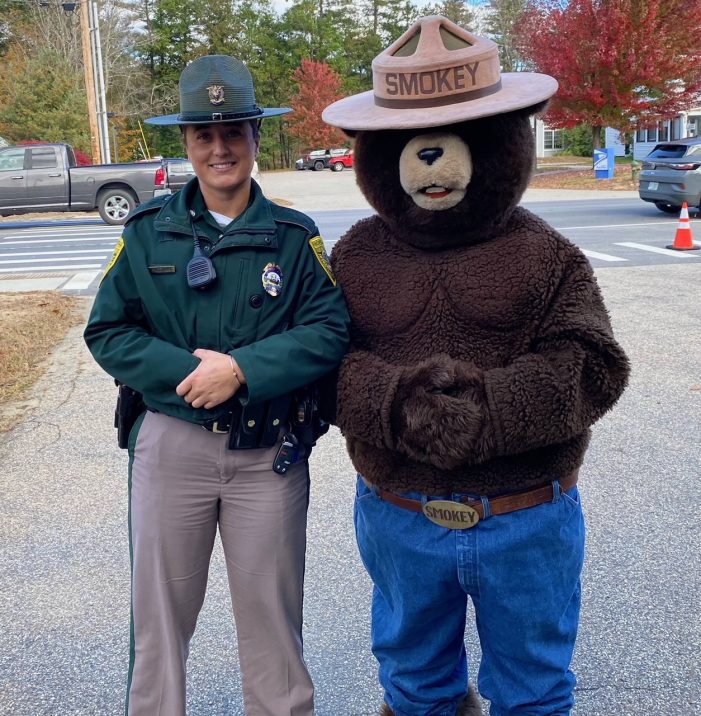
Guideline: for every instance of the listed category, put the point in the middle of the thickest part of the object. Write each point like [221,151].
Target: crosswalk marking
[80,281]
[103,252]
[601,257]
[656,250]
[34,242]
[49,233]
[33,269]
[45,259]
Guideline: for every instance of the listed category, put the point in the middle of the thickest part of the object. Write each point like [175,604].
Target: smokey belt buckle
[453,515]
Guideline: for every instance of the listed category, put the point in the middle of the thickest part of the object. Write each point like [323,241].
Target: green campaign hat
[216,88]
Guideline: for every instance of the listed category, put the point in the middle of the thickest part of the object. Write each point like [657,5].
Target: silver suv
[671,174]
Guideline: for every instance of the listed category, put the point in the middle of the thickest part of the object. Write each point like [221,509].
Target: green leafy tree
[578,141]
[456,10]
[55,108]
[502,17]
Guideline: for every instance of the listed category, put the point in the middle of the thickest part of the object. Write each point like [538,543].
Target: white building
[685,124]
[547,141]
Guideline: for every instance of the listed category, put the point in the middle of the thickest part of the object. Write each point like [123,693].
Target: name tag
[453,515]
[161,269]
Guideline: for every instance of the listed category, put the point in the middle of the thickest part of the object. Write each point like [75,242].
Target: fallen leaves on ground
[584,179]
[31,324]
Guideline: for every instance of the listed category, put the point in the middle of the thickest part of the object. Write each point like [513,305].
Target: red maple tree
[318,85]
[620,63]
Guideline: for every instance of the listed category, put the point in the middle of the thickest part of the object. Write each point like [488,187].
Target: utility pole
[89,81]
[99,78]
[94,78]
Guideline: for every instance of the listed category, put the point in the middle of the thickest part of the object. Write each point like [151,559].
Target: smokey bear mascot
[481,355]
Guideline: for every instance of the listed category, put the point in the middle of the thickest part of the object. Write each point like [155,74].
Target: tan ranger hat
[435,74]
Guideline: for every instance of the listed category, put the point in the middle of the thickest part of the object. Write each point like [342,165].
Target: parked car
[671,174]
[178,172]
[335,159]
[44,177]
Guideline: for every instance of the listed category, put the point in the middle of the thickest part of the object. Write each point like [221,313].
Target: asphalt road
[612,228]
[64,607]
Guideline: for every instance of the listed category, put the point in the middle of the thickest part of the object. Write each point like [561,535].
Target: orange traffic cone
[682,239]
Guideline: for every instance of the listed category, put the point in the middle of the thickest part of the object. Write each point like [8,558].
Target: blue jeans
[522,572]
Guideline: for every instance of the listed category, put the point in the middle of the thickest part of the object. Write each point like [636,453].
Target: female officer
[217,306]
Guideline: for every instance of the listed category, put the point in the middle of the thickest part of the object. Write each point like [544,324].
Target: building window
[553,139]
[663,129]
[652,134]
[640,135]
[676,129]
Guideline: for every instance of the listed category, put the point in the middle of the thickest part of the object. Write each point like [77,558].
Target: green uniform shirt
[146,320]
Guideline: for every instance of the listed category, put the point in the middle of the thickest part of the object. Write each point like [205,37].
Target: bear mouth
[435,192]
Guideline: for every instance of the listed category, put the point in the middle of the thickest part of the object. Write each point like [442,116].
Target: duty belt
[260,424]
[253,426]
[467,511]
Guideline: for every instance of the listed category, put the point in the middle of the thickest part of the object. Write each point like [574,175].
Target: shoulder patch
[119,247]
[317,245]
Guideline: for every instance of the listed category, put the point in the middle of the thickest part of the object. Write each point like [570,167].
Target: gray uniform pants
[184,482]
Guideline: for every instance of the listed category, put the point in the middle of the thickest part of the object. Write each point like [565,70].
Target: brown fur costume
[481,349]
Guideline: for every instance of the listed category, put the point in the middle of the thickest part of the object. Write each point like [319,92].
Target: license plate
[652,186]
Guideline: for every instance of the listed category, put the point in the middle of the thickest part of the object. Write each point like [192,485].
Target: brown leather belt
[450,513]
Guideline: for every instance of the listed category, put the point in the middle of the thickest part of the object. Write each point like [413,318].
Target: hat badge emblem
[216,94]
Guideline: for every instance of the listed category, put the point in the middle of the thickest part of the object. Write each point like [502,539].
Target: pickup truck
[44,177]
[334,159]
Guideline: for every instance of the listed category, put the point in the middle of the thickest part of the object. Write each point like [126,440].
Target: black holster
[305,420]
[130,405]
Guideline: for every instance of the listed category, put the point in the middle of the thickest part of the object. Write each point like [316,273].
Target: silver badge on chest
[272,279]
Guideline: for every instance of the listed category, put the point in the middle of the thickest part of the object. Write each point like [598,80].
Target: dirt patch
[32,323]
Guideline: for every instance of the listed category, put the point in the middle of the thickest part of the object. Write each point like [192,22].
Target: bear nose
[430,154]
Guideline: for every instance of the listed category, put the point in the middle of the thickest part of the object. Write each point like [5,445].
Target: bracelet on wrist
[233,369]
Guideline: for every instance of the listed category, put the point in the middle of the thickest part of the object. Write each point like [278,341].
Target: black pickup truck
[45,177]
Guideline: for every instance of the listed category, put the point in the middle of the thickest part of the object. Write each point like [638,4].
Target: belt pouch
[247,433]
[276,418]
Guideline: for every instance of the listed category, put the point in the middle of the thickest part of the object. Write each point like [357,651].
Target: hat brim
[171,119]
[518,90]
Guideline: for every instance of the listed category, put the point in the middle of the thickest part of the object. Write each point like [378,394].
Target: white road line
[57,252]
[80,281]
[67,232]
[44,260]
[612,226]
[64,236]
[656,250]
[601,257]
[33,269]
[59,241]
